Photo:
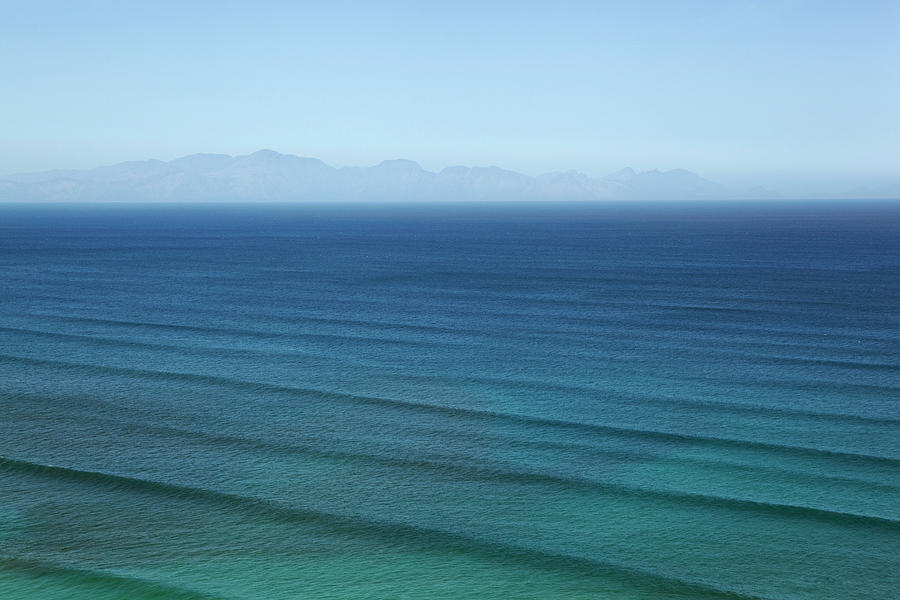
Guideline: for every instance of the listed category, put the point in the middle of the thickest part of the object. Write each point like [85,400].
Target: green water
[460,402]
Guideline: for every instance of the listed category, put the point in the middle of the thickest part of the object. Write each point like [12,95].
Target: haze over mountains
[270,176]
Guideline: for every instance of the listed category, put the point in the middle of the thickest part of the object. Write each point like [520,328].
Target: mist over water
[450,401]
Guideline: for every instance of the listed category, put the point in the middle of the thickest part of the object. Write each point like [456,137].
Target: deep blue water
[455,401]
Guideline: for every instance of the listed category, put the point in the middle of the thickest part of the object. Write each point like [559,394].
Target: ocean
[603,401]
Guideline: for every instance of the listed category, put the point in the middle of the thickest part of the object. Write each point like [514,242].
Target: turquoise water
[497,401]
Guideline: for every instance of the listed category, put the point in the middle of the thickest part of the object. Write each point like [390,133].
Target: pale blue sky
[793,92]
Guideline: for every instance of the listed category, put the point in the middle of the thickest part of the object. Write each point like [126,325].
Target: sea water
[604,401]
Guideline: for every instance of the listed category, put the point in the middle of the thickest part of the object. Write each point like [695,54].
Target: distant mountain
[885,192]
[675,184]
[271,176]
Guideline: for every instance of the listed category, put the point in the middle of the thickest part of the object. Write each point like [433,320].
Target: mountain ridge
[271,176]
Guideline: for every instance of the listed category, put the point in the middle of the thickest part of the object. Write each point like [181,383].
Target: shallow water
[456,401]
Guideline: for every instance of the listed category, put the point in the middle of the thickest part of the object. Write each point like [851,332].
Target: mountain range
[271,176]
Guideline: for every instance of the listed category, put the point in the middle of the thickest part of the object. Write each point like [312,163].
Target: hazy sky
[799,92]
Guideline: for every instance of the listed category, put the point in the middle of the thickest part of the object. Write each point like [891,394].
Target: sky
[790,94]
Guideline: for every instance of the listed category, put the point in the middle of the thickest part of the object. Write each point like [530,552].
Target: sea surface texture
[540,401]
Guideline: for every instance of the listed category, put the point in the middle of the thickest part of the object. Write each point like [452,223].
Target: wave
[151,324]
[516,332]
[752,409]
[564,307]
[289,448]
[668,402]
[494,474]
[120,343]
[259,333]
[128,586]
[841,385]
[663,436]
[462,467]
[817,362]
[452,462]
[383,530]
